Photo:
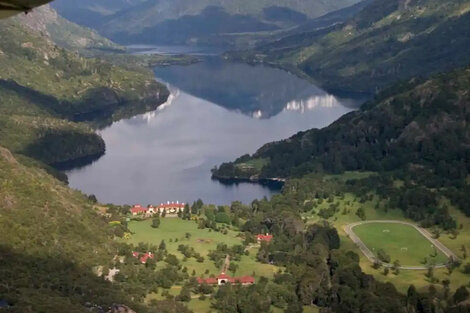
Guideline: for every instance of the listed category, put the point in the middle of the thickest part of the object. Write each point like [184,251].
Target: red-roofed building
[264,238]
[223,279]
[143,257]
[138,209]
[170,208]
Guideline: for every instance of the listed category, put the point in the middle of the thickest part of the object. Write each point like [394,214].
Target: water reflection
[326,101]
[168,154]
[257,91]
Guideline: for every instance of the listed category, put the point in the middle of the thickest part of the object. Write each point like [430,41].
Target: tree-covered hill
[418,129]
[50,240]
[46,88]
[386,41]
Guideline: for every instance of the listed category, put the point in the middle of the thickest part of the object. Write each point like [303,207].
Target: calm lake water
[217,112]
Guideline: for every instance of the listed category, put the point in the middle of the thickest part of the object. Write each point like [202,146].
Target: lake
[217,112]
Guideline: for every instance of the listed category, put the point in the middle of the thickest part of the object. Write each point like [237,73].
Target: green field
[374,209]
[173,231]
[400,242]
[257,164]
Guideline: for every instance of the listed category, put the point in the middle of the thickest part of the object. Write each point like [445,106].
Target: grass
[256,164]
[350,175]
[173,230]
[405,277]
[200,306]
[400,242]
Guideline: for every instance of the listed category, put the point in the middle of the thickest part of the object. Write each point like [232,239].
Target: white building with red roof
[138,209]
[264,238]
[170,209]
[223,279]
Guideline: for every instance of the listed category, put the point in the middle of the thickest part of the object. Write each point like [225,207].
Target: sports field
[400,242]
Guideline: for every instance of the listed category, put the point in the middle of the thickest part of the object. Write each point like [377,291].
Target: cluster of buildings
[170,208]
[223,279]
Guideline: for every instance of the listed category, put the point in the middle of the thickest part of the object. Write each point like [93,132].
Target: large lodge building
[170,208]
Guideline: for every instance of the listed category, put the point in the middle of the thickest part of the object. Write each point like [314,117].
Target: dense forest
[415,131]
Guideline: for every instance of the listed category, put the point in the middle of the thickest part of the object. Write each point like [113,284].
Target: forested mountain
[181,21]
[46,89]
[386,41]
[416,131]
[53,243]
[50,236]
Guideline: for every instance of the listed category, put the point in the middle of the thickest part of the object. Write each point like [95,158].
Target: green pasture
[173,232]
[400,242]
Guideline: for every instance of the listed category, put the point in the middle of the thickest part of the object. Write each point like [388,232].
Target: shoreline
[272,183]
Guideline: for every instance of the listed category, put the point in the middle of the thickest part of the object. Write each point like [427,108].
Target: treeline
[416,131]
[317,272]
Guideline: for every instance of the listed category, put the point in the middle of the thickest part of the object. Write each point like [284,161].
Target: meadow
[401,242]
[375,209]
[173,231]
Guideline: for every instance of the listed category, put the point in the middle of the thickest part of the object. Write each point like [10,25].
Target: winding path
[371,257]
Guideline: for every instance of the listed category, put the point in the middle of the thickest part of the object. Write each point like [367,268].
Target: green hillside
[46,89]
[386,41]
[50,237]
[416,130]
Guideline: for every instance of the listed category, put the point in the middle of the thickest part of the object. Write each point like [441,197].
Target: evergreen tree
[156,222]
[186,212]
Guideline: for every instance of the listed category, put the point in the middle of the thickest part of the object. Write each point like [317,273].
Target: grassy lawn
[200,306]
[348,175]
[400,242]
[405,277]
[196,305]
[347,211]
[173,231]
[257,164]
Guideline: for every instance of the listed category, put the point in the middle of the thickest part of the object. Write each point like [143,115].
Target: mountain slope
[386,41]
[421,124]
[45,20]
[45,89]
[50,240]
[414,136]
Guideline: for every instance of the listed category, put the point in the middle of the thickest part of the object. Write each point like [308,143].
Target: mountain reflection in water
[217,112]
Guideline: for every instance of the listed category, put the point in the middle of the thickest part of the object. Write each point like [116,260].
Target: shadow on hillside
[47,283]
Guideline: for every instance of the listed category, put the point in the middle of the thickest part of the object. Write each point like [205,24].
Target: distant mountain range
[183,21]
[388,40]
